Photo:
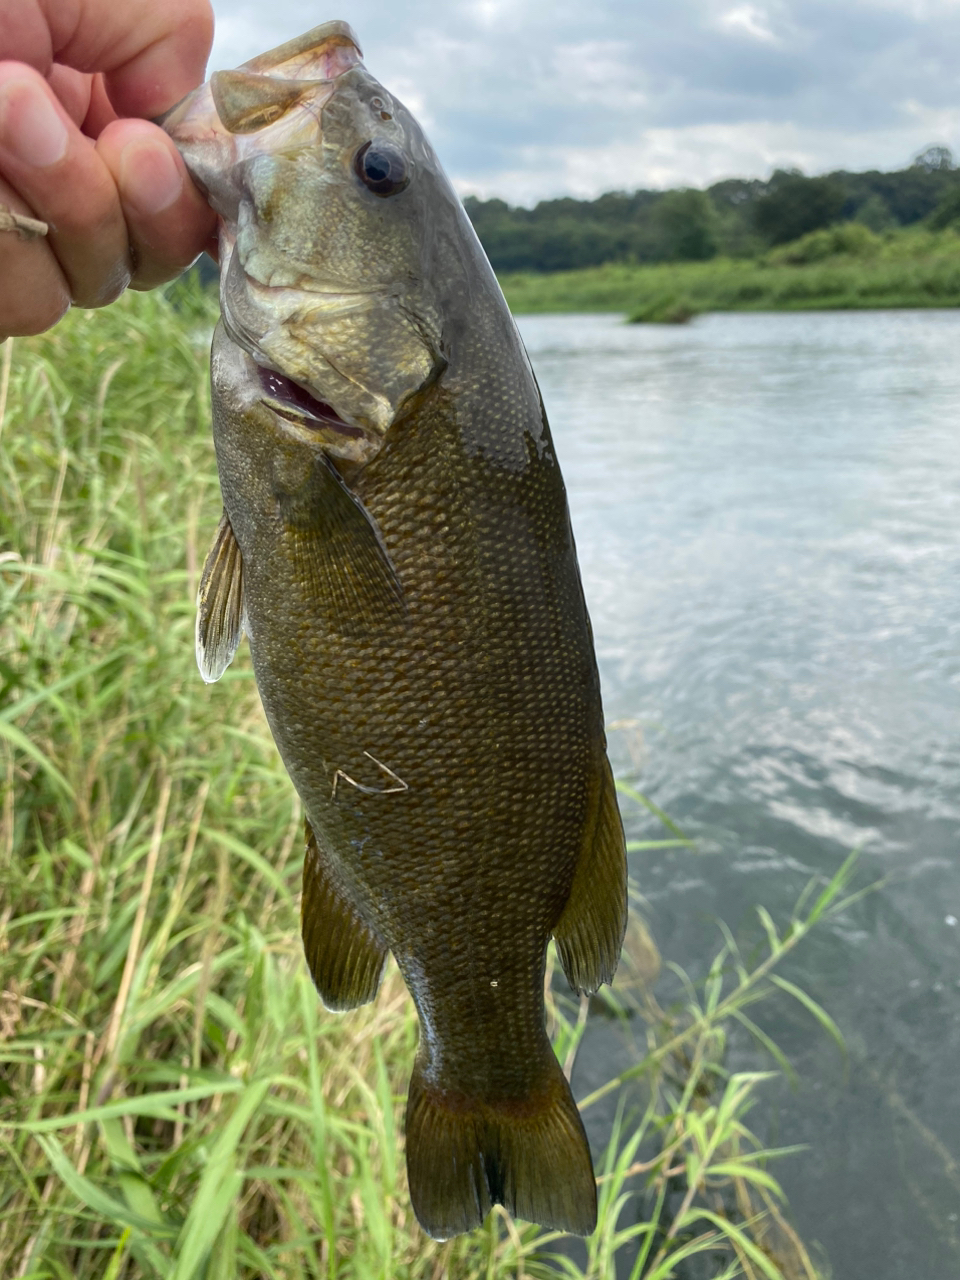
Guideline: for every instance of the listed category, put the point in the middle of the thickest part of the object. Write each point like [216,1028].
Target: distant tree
[934,158]
[686,225]
[733,199]
[740,217]
[795,205]
[569,243]
[734,193]
[875,213]
[947,212]
[913,193]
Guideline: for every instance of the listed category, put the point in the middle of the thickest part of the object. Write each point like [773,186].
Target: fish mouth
[280,91]
[322,53]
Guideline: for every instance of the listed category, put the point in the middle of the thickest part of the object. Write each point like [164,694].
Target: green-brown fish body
[397,546]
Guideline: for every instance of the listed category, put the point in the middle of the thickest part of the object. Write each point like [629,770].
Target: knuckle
[150,275]
[106,288]
[33,291]
[41,313]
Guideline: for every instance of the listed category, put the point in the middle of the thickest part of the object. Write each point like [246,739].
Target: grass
[844,268]
[174,1103]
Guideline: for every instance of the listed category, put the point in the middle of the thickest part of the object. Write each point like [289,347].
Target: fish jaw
[275,146]
[289,85]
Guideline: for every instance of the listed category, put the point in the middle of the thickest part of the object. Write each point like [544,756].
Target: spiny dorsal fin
[344,954]
[220,604]
[590,932]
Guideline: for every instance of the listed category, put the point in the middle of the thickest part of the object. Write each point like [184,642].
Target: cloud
[599,71]
[535,98]
[748,20]
[920,10]
[487,13]
[668,157]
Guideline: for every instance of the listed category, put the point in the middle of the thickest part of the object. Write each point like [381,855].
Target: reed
[174,1103]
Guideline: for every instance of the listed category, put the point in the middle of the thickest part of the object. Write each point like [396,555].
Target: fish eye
[381,168]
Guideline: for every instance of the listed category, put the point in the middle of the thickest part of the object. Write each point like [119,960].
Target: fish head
[327,192]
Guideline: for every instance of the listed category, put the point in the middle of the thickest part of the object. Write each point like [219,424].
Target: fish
[396,546]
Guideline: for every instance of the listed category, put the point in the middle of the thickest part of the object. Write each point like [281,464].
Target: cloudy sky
[528,99]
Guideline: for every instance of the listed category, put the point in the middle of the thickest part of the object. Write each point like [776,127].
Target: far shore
[841,269]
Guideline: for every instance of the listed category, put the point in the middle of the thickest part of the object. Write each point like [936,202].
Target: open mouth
[294,402]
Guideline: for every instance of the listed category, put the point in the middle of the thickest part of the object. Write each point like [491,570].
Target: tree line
[739,217]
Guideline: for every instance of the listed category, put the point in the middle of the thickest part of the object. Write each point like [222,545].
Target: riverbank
[846,268]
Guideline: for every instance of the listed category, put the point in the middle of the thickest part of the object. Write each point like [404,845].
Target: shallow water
[767,511]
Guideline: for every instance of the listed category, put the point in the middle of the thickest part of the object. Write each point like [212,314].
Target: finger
[100,112]
[152,54]
[33,290]
[73,90]
[168,220]
[58,174]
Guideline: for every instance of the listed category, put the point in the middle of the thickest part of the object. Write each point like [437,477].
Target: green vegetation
[174,1103]
[844,241]
[736,218]
[841,268]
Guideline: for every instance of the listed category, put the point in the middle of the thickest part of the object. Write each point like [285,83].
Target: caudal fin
[530,1155]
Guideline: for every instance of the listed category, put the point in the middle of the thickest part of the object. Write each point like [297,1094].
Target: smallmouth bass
[397,547]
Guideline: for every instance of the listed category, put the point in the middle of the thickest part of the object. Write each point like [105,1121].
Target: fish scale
[397,545]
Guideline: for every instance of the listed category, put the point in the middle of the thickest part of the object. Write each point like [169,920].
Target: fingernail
[149,176]
[30,128]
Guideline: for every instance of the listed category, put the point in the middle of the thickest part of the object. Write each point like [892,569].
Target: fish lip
[321,56]
[327,34]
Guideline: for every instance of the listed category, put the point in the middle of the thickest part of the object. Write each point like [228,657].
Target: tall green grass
[845,268]
[174,1102]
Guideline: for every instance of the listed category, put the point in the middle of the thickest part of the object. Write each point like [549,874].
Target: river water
[767,512]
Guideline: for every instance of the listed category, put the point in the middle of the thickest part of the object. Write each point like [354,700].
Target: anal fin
[220,604]
[345,955]
[589,933]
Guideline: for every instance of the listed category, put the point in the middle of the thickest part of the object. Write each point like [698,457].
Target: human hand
[78,84]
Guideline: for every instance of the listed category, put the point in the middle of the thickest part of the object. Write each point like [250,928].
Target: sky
[530,99]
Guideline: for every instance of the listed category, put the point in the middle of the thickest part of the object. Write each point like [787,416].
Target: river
[767,512]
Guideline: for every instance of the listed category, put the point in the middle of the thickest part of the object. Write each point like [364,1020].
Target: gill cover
[317,173]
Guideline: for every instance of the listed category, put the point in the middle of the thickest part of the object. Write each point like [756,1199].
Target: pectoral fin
[340,556]
[345,955]
[590,932]
[220,604]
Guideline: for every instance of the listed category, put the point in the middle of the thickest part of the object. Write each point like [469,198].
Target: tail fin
[530,1155]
